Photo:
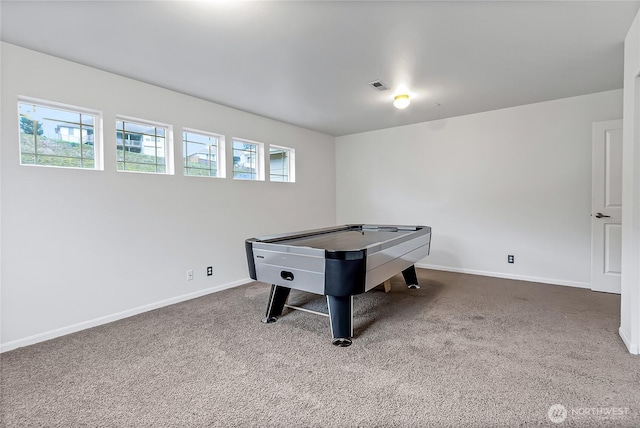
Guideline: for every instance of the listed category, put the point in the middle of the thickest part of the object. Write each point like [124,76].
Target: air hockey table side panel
[307,270]
[389,262]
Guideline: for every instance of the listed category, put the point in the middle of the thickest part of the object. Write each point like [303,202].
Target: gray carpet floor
[462,351]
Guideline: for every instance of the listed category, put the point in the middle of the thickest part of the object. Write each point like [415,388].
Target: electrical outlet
[189,275]
[209,270]
[511,258]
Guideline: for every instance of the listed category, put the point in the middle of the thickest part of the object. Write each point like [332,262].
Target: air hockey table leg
[341,318]
[410,277]
[277,299]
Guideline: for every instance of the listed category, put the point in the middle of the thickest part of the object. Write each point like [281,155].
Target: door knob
[600,215]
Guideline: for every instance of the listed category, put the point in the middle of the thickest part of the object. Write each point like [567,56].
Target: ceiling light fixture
[401,101]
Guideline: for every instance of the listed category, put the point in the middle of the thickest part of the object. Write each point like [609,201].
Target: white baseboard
[507,276]
[41,337]
[632,347]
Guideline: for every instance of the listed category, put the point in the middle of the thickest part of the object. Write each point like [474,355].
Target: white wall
[630,310]
[83,247]
[512,181]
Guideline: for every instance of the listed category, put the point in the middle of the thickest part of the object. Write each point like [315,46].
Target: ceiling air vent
[378,85]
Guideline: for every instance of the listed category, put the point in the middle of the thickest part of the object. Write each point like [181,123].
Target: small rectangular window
[248,160]
[281,164]
[143,146]
[54,134]
[203,154]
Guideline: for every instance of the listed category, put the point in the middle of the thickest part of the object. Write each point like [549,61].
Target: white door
[606,207]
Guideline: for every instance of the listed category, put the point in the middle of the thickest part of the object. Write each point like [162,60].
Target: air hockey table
[337,262]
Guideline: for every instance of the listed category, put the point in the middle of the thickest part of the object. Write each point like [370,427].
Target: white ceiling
[308,63]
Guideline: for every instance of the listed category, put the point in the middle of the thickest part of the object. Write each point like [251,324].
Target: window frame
[291,160]
[168,144]
[220,153]
[98,140]
[260,162]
